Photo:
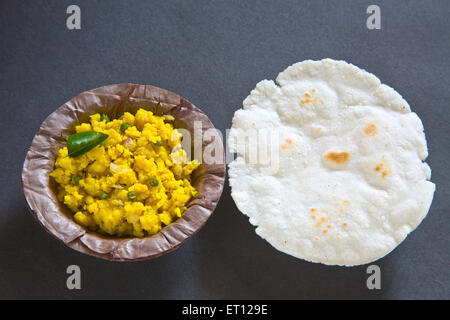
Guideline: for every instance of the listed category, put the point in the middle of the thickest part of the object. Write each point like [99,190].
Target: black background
[213,53]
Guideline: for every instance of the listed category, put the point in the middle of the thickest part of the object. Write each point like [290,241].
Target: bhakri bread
[347,183]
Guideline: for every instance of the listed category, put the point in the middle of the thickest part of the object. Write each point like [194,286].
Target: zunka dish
[164,109]
[125,177]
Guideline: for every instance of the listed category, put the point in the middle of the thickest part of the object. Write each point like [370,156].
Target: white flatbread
[348,182]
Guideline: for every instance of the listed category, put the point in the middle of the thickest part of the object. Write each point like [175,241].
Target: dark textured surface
[213,53]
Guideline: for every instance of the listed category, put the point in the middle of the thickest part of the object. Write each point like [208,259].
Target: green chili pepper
[124,126]
[82,142]
[132,196]
[104,117]
[104,195]
[77,178]
[153,182]
[159,143]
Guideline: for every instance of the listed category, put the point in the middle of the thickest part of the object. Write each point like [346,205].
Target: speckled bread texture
[351,182]
[114,100]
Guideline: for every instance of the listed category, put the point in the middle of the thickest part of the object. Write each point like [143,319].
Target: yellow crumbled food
[135,183]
